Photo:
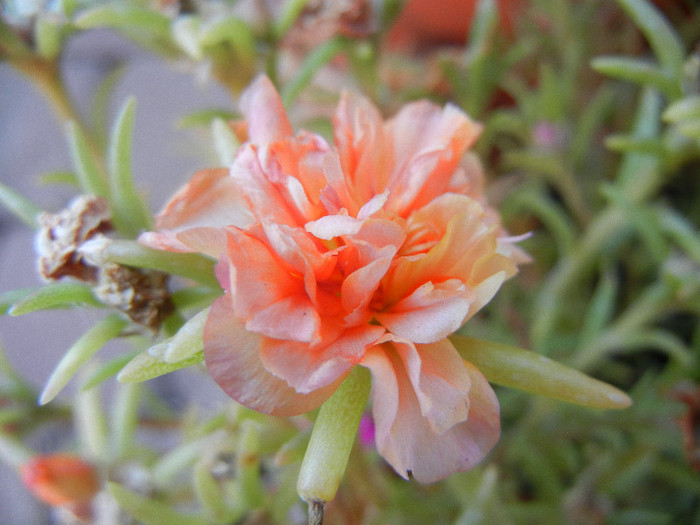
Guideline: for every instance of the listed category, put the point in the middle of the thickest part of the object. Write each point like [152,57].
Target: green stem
[125,419]
[331,441]
[248,464]
[188,265]
[91,425]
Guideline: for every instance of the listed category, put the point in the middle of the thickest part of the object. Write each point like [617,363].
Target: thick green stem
[332,439]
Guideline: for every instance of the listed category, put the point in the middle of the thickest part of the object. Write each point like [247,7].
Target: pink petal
[258,280]
[365,152]
[210,200]
[373,205]
[483,292]
[262,106]
[282,181]
[209,241]
[429,143]
[232,356]
[296,248]
[300,250]
[410,432]
[306,368]
[377,239]
[437,374]
[263,197]
[466,249]
[336,194]
[165,240]
[292,318]
[430,313]
[357,290]
[331,226]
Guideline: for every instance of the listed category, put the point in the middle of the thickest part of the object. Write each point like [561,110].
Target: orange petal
[60,479]
[365,152]
[258,279]
[264,199]
[430,313]
[464,240]
[429,143]
[232,357]
[307,369]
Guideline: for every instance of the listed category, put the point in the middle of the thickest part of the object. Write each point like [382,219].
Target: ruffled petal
[429,143]
[358,289]
[232,357]
[306,368]
[292,318]
[257,278]
[209,241]
[330,226]
[430,313]
[419,401]
[263,197]
[465,248]
[210,200]
[366,154]
[262,106]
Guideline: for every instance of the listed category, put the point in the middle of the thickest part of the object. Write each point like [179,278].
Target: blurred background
[591,141]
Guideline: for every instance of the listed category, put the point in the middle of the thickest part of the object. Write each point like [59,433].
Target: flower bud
[60,479]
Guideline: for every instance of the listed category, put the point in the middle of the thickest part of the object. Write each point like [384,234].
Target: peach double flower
[371,252]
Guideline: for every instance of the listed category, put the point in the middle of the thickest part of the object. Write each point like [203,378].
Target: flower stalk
[331,442]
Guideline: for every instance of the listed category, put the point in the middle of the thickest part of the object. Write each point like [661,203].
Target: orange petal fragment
[60,479]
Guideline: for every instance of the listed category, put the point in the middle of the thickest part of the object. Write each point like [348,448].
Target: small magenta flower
[366,431]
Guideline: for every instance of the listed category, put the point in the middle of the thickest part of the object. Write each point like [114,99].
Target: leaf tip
[618,399]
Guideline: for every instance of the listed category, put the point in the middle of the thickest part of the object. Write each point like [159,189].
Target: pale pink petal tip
[405,436]
[264,112]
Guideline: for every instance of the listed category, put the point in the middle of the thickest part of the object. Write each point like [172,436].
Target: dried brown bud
[323,19]
[69,244]
[61,234]
[141,294]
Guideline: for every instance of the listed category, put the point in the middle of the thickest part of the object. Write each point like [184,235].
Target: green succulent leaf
[205,118]
[687,108]
[130,213]
[67,178]
[149,510]
[639,72]
[55,295]
[19,205]
[11,297]
[146,27]
[90,177]
[663,39]
[109,369]
[318,58]
[144,366]
[130,253]
[517,368]
[81,351]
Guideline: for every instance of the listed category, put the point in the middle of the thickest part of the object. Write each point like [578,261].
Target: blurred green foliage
[591,141]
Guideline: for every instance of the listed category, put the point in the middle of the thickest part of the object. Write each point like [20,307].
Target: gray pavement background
[32,143]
